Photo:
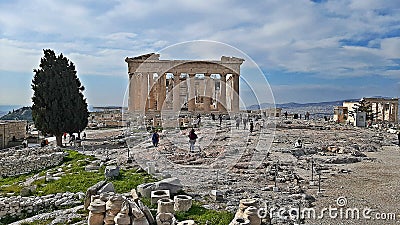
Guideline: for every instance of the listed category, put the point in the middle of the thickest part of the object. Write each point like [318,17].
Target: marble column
[131,96]
[143,91]
[191,99]
[176,93]
[152,92]
[208,92]
[162,91]
[235,94]
[222,85]
[136,88]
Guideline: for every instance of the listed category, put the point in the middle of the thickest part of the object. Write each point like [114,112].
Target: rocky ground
[357,165]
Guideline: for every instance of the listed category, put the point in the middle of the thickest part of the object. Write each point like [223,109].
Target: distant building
[381,109]
[106,117]
[271,112]
[341,114]
[384,109]
[12,132]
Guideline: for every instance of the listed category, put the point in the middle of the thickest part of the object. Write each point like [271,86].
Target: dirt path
[371,184]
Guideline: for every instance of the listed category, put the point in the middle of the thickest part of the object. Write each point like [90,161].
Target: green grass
[76,179]
[204,216]
[130,179]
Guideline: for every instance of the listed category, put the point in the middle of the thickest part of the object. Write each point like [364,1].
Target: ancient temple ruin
[191,86]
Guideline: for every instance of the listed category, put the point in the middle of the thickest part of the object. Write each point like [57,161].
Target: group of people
[245,121]
[155,138]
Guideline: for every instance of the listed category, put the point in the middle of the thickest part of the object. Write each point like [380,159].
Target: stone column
[162,91]
[192,101]
[176,93]
[151,92]
[136,87]
[131,97]
[222,85]
[235,94]
[144,91]
[208,92]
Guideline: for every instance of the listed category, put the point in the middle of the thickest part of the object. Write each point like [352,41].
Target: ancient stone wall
[12,132]
[16,162]
[17,206]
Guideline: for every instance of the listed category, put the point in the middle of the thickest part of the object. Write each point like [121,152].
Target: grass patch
[130,179]
[203,216]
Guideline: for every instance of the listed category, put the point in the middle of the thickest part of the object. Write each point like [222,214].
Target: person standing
[192,139]
[155,138]
[251,126]
[220,119]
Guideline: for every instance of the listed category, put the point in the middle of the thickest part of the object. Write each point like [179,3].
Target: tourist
[398,137]
[192,139]
[65,136]
[155,138]
[25,143]
[244,123]
[286,114]
[298,144]
[307,116]
[220,119]
[251,126]
[237,123]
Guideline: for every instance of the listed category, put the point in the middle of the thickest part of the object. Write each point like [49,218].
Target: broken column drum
[240,221]
[251,213]
[165,205]
[160,194]
[96,214]
[165,219]
[182,203]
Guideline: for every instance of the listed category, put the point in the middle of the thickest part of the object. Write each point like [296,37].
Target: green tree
[58,102]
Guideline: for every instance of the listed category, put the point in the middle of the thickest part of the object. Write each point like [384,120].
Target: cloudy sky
[309,51]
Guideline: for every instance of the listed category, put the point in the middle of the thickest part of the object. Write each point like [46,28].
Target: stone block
[182,203]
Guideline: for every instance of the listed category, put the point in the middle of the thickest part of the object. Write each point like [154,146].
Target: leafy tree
[58,102]
[364,106]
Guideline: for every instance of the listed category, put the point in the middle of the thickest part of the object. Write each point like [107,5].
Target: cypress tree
[58,102]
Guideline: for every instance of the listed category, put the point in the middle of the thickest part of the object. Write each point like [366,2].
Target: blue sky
[309,51]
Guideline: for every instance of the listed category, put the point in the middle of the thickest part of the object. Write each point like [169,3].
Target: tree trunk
[59,140]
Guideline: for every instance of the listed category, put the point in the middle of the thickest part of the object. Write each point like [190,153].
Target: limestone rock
[172,184]
[111,172]
[109,187]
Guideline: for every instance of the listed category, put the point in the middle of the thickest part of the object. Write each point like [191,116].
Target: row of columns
[144,93]
[392,114]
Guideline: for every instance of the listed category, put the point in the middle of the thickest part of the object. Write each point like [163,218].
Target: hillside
[24,113]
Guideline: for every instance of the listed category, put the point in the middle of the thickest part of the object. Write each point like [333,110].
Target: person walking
[220,119]
[251,126]
[237,123]
[244,123]
[398,137]
[192,139]
[155,138]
